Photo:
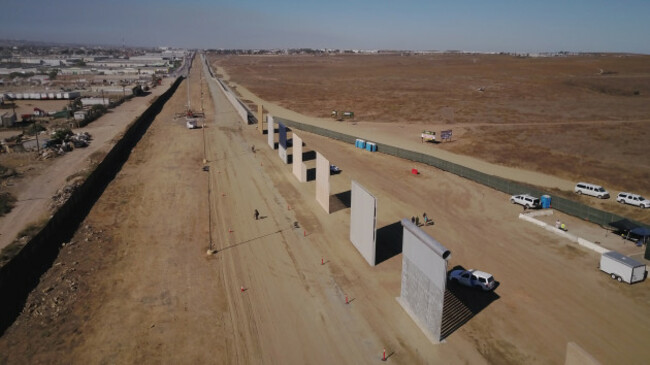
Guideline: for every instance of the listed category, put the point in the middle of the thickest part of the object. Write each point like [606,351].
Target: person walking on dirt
[257,214]
[253,148]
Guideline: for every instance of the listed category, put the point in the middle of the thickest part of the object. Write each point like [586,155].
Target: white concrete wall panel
[363,222]
[243,114]
[298,166]
[282,152]
[424,278]
[323,182]
[271,131]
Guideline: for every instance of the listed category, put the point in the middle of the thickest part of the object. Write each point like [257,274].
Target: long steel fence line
[495,182]
[510,187]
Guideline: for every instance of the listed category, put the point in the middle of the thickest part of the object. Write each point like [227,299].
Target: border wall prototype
[363,222]
[424,279]
[323,182]
[576,355]
[509,187]
[299,169]
[282,146]
[271,131]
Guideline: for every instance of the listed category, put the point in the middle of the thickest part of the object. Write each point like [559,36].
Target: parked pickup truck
[525,200]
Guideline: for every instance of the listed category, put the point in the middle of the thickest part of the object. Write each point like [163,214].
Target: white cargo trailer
[622,268]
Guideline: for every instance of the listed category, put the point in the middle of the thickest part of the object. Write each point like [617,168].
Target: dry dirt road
[147,291]
[34,192]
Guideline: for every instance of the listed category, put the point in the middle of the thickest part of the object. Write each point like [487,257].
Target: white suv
[525,200]
[473,278]
[633,199]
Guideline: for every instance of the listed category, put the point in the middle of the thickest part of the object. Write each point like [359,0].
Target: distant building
[80,114]
[8,119]
[94,101]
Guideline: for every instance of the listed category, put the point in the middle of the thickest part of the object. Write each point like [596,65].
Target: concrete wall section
[282,147]
[581,241]
[424,278]
[363,222]
[271,131]
[243,113]
[323,182]
[576,355]
[299,169]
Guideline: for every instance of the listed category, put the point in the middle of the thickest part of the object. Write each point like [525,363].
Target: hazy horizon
[500,26]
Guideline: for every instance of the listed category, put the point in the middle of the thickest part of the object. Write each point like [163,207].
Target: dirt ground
[136,285]
[578,118]
[38,181]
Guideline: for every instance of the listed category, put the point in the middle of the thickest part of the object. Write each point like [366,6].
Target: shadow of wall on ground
[308,156]
[461,304]
[340,201]
[21,275]
[311,174]
[389,242]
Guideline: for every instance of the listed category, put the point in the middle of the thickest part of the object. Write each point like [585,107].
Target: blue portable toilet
[546,201]
[362,144]
[370,146]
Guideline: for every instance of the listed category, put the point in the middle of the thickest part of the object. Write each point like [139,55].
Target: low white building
[8,119]
[80,115]
[94,101]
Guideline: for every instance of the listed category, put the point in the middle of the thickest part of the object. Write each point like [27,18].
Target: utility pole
[38,147]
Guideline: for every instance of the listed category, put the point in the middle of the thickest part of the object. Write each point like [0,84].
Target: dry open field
[136,286]
[559,115]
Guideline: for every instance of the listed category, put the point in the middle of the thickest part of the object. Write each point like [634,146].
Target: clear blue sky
[472,25]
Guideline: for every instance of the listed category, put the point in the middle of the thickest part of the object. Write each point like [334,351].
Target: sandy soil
[555,120]
[42,179]
[136,284]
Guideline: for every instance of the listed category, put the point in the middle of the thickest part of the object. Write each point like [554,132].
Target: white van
[591,189]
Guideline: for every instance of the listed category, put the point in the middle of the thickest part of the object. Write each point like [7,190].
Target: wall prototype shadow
[461,304]
[389,242]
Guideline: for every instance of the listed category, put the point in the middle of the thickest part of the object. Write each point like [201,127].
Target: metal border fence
[498,183]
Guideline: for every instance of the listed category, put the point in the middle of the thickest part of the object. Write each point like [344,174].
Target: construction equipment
[338,115]
[429,136]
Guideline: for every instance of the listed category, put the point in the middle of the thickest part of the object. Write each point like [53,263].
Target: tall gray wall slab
[271,131]
[424,278]
[323,182]
[282,145]
[363,222]
[299,169]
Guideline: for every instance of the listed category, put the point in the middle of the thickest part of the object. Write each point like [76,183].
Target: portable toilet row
[546,201]
[368,146]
